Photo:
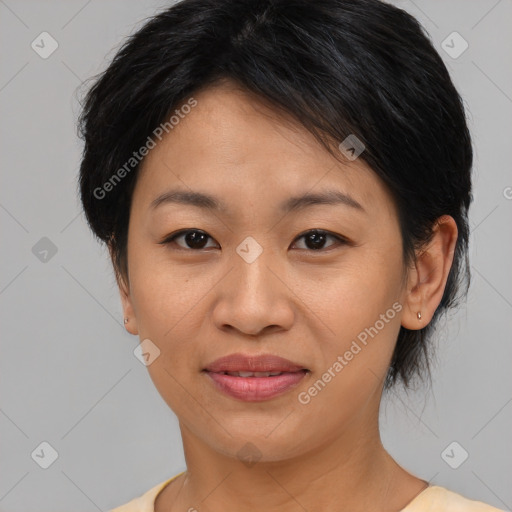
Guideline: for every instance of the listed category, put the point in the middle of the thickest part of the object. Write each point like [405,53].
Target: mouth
[254,378]
[255,386]
[255,364]
[253,374]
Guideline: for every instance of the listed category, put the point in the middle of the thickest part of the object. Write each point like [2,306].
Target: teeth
[253,374]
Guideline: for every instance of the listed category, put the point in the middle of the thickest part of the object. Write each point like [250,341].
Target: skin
[308,306]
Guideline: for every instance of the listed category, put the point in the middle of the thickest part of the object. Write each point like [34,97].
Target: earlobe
[413,318]
[130,321]
[427,281]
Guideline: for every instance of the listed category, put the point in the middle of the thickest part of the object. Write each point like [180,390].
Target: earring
[419,315]
[126,320]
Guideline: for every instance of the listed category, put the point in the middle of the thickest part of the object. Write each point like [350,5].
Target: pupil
[320,239]
[193,237]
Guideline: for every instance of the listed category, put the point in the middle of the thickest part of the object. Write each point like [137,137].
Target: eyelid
[168,239]
[342,240]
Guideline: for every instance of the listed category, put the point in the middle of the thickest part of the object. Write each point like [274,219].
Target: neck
[351,472]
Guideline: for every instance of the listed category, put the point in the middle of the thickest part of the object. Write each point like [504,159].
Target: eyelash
[340,239]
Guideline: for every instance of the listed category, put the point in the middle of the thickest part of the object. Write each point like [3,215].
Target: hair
[337,67]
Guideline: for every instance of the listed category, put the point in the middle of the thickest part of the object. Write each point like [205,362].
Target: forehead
[233,144]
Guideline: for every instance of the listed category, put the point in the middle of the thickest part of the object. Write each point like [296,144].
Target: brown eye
[315,239]
[193,239]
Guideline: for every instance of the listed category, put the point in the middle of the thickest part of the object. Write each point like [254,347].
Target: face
[253,277]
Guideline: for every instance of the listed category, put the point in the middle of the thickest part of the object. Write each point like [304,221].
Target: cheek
[166,307]
[169,302]
[165,295]
[360,302]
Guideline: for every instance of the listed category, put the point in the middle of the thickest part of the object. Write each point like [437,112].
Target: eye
[195,239]
[315,239]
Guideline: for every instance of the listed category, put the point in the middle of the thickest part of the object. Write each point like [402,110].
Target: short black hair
[339,68]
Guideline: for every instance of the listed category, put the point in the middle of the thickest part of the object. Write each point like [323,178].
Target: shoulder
[439,499]
[145,502]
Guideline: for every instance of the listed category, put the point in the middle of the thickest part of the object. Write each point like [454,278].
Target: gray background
[68,373]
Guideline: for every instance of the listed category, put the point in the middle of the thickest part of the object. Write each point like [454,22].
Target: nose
[254,298]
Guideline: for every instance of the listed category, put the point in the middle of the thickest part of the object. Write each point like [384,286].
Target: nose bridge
[253,297]
[251,268]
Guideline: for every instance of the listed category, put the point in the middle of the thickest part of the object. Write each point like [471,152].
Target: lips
[254,378]
[252,374]
[257,365]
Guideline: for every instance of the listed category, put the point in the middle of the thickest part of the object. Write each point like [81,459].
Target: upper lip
[247,363]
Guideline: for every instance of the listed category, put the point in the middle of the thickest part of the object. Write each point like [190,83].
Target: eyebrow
[209,202]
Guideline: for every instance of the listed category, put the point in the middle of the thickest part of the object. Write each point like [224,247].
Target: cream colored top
[431,499]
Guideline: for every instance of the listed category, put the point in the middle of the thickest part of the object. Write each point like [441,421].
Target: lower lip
[256,389]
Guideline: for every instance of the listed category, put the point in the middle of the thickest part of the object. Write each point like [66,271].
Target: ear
[427,280]
[128,309]
[126,300]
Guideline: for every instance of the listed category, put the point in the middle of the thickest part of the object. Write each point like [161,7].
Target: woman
[283,186]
